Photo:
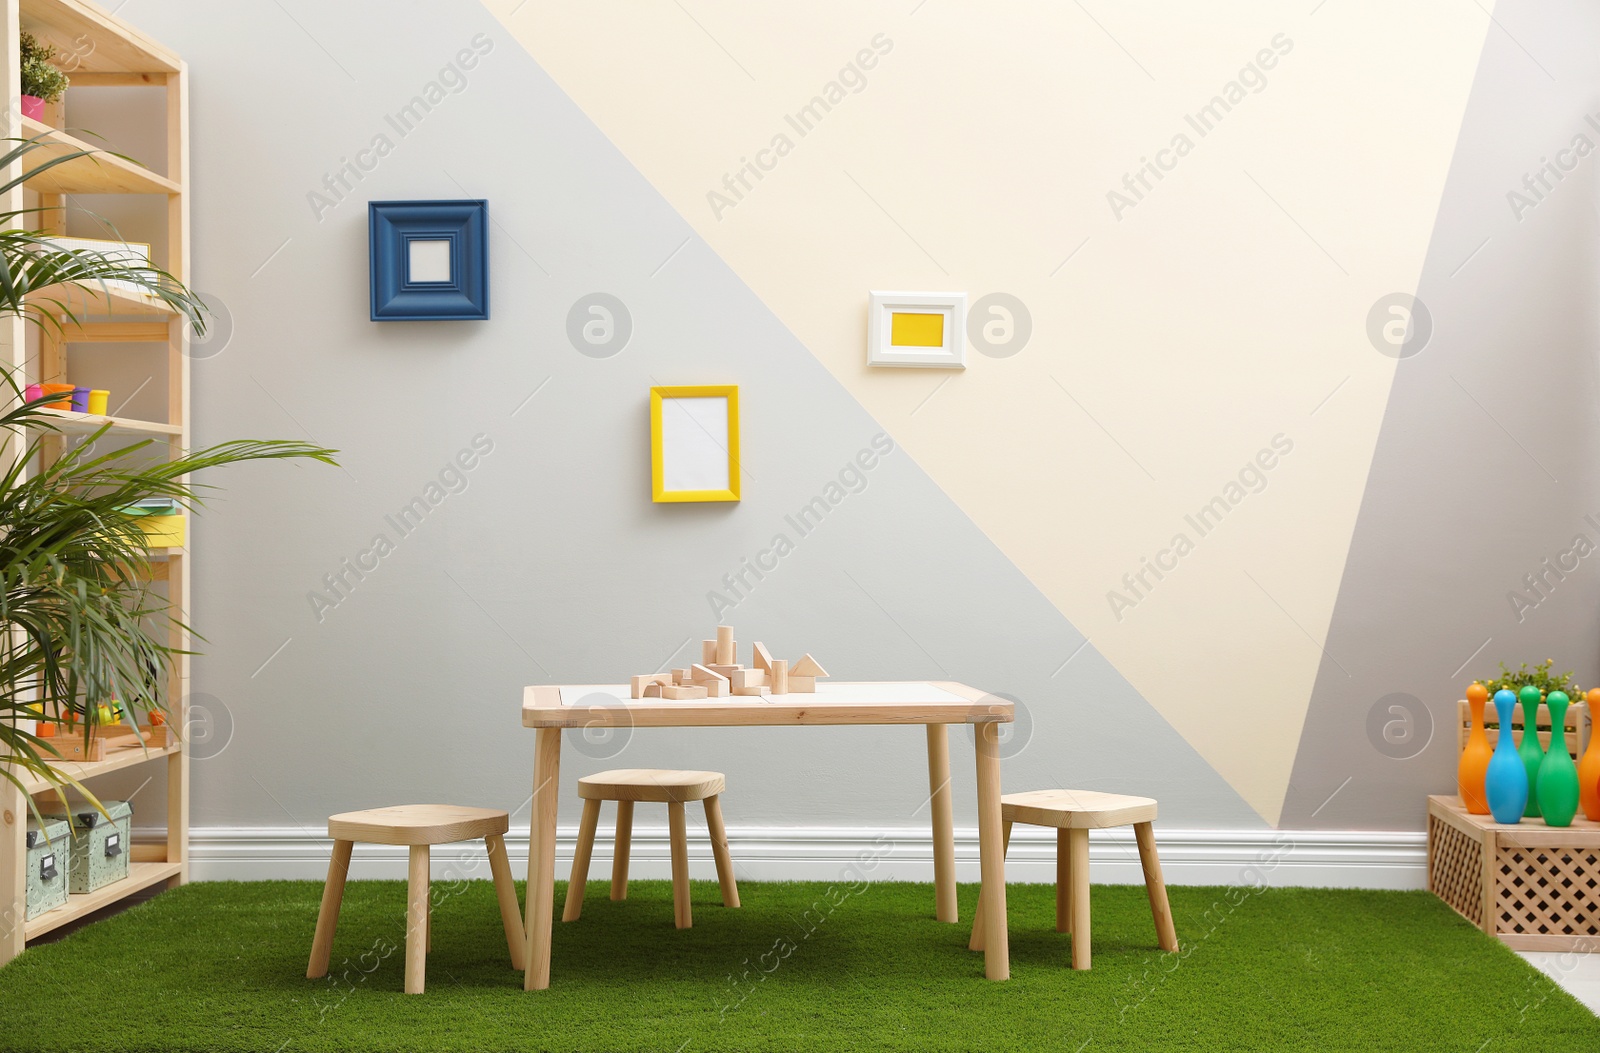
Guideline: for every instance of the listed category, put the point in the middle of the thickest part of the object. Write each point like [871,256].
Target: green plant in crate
[1541,676]
[40,77]
[80,626]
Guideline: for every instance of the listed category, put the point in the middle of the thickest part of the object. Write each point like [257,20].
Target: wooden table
[937,705]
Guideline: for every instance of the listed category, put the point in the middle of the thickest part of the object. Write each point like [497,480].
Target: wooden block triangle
[807,666]
[763,657]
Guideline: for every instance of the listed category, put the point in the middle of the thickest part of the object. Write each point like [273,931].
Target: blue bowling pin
[1506,782]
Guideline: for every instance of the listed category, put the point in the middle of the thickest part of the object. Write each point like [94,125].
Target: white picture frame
[902,331]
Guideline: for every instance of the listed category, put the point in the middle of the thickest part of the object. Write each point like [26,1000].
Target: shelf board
[71,423]
[140,876]
[98,41]
[101,173]
[116,760]
[92,302]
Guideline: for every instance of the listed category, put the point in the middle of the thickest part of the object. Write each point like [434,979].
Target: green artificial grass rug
[802,966]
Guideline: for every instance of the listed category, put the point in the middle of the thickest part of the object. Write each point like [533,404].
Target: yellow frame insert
[658,491]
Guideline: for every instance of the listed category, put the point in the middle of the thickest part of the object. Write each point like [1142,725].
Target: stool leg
[580,860]
[506,890]
[417,919]
[682,914]
[430,922]
[619,855]
[328,916]
[1078,853]
[976,942]
[719,849]
[1063,881]
[1155,887]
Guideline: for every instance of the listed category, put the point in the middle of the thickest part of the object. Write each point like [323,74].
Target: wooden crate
[1536,887]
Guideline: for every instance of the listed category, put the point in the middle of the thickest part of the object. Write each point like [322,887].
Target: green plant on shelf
[1541,676]
[80,625]
[40,77]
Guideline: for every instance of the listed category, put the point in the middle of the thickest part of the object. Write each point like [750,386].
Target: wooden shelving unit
[104,52]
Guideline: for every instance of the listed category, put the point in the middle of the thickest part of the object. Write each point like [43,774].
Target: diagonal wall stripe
[1197,260]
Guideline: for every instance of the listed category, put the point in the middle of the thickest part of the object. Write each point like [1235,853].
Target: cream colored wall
[1174,339]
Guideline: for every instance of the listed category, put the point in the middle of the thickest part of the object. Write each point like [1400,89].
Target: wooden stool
[417,826]
[1074,813]
[627,786]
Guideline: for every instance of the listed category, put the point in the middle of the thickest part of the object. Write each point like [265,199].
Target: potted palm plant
[79,626]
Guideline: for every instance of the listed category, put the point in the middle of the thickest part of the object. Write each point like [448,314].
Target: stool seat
[1073,813]
[658,785]
[1076,809]
[628,786]
[417,824]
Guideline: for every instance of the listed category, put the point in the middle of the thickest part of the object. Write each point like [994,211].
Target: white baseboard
[1344,859]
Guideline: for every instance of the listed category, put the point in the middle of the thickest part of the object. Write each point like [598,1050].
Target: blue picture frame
[462,293]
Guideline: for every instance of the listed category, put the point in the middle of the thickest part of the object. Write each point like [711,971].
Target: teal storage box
[99,848]
[49,854]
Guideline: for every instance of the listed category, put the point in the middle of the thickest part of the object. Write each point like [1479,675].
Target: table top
[867,702]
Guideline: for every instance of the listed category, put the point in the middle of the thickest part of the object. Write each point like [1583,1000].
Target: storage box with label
[99,847]
[49,850]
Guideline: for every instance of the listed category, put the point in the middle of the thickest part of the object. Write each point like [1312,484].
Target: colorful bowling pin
[1506,781]
[1558,776]
[1475,758]
[1589,767]
[1530,749]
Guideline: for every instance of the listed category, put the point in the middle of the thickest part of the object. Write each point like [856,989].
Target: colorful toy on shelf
[1589,766]
[53,393]
[1558,776]
[719,674]
[1474,761]
[1505,782]
[1530,749]
[72,397]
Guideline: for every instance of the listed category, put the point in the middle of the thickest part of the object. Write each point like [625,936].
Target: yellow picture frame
[691,440]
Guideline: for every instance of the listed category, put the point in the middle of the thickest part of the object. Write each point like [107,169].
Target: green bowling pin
[1558,776]
[1528,749]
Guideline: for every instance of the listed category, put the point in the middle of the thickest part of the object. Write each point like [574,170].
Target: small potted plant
[41,81]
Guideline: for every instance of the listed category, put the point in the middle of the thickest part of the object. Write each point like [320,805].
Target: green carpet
[221,966]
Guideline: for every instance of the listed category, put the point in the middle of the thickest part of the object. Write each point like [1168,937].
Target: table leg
[996,939]
[542,858]
[944,835]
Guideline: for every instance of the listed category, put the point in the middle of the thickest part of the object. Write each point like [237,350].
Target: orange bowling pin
[1475,757]
[1589,766]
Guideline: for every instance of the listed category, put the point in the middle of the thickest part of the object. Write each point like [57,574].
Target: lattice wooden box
[1536,887]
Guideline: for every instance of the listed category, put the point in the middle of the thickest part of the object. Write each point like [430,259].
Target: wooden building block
[748,678]
[802,685]
[727,653]
[702,674]
[708,651]
[762,658]
[778,676]
[807,666]
[683,694]
[717,688]
[654,689]
[724,670]
[752,691]
[644,680]
[680,676]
